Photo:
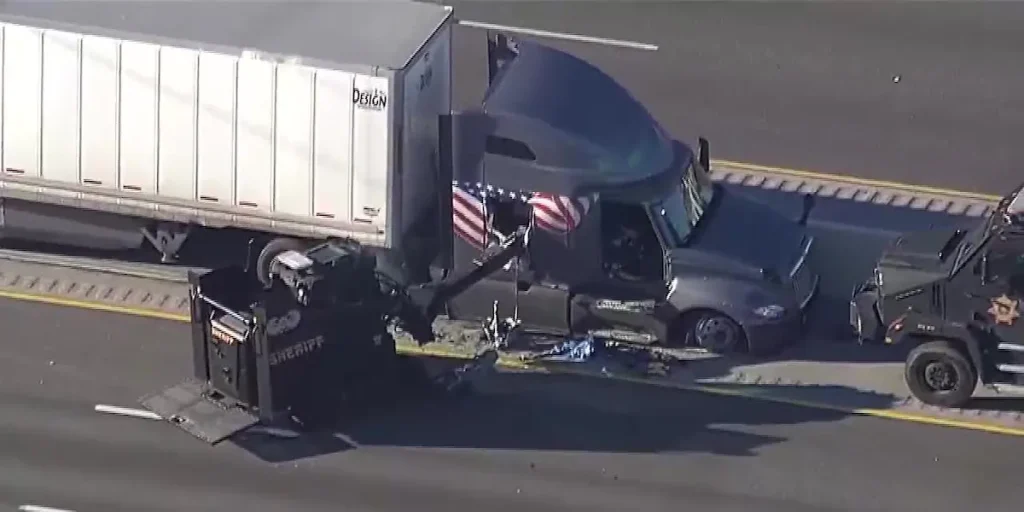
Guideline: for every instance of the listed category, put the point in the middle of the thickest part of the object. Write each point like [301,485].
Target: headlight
[770,312]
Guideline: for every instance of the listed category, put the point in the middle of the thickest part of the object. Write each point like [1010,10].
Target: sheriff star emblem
[1004,310]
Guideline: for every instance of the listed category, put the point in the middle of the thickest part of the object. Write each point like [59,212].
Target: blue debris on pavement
[611,355]
[569,351]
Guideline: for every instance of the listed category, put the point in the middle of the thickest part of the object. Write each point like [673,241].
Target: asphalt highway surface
[913,92]
[917,92]
[526,442]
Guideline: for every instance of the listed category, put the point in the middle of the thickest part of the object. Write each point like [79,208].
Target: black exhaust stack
[704,154]
[501,49]
[809,201]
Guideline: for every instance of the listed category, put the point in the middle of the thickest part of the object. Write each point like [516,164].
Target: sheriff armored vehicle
[955,294]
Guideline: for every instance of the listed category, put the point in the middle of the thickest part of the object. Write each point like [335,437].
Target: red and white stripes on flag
[556,214]
[469,217]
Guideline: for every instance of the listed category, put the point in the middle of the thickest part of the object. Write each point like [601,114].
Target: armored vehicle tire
[714,332]
[270,251]
[940,374]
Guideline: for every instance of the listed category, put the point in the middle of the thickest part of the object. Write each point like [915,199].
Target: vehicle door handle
[973,295]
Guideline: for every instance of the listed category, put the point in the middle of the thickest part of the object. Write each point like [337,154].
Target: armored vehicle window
[508,147]
[630,247]
[1006,263]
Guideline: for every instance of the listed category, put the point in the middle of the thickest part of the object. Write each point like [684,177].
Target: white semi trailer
[127,122]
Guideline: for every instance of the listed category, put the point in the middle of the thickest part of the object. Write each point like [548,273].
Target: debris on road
[569,351]
[458,380]
[613,356]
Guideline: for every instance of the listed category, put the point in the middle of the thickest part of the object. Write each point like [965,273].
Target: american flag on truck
[553,213]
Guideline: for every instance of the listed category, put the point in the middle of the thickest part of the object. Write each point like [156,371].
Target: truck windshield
[680,212]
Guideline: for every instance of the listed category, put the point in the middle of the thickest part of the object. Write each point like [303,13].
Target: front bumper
[768,336]
[865,316]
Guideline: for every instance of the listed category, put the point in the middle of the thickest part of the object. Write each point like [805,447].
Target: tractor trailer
[127,123]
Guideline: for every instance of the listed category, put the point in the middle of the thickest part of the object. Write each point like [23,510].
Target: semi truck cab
[635,242]
[953,294]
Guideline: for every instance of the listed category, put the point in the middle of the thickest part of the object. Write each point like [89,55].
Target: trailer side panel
[189,135]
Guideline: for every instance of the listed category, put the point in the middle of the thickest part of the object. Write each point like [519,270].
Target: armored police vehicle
[955,294]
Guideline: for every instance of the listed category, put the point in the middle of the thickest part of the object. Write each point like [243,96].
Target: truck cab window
[508,147]
[630,247]
[508,215]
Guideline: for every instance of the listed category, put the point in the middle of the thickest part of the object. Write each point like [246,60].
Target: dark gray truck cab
[661,255]
[954,294]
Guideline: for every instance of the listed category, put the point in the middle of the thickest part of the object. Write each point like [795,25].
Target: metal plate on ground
[186,406]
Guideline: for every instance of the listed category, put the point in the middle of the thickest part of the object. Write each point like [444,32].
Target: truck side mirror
[704,154]
[501,49]
[808,205]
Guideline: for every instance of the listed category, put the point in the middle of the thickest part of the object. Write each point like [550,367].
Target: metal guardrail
[854,189]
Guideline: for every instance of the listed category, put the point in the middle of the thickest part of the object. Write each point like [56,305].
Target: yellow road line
[55,300]
[513,363]
[853,180]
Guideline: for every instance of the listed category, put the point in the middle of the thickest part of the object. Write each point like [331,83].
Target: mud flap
[196,409]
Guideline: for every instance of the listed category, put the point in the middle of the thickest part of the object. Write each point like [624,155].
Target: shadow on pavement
[203,249]
[1003,404]
[532,411]
[850,213]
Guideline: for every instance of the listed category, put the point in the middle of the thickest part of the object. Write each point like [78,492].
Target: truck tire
[939,373]
[714,332]
[270,251]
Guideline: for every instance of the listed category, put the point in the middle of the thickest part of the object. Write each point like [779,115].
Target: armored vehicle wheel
[271,251]
[714,332]
[940,374]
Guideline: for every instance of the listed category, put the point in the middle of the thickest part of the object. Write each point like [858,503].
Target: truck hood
[922,250]
[750,233]
[916,260]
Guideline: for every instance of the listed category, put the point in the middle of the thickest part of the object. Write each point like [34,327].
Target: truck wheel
[940,374]
[271,251]
[714,332]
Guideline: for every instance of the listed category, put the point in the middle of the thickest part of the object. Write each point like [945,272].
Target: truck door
[626,299]
[542,303]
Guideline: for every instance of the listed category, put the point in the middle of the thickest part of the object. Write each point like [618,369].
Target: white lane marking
[37,508]
[561,35]
[274,431]
[124,411]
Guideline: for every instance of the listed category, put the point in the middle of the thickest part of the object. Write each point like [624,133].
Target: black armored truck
[313,347]
[955,294]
